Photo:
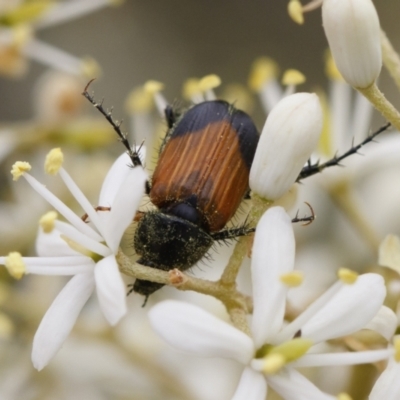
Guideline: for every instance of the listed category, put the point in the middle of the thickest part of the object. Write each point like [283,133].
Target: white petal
[288,138]
[292,385]
[351,309]
[60,319]
[273,255]
[353,32]
[110,289]
[190,328]
[124,206]
[385,323]
[51,244]
[113,180]
[82,200]
[387,386]
[252,386]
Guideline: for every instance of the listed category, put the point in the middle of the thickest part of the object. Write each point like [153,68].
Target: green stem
[379,101]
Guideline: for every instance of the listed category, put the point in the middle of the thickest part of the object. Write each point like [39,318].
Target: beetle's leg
[312,169]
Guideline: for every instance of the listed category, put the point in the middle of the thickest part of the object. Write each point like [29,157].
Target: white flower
[273,352]
[121,191]
[289,136]
[353,32]
[388,384]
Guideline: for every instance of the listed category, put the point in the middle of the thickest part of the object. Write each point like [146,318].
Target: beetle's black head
[166,241]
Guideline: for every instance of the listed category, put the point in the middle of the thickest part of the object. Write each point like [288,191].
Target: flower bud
[353,32]
[289,136]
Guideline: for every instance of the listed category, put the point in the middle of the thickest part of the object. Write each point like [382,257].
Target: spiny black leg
[312,169]
[133,154]
[307,220]
[245,230]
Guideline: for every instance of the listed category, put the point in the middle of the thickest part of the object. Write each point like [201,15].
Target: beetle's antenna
[133,154]
[312,169]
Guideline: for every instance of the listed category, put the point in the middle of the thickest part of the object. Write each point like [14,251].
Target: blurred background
[168,41]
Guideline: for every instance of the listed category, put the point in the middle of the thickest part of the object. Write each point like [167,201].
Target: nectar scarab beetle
[198,184]
[201,177]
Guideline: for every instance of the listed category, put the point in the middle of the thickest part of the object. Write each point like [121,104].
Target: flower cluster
[269,335]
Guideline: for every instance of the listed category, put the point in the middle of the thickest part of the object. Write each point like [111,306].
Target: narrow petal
[273,255]
[252,386]
[114,179]
[190,328]
[385,323]
[351,309]
[388,384]
[60,319]
[52,245]
[292,385]
[124,207]
[110,289]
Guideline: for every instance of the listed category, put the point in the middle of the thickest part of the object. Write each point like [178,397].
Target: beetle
[201,177]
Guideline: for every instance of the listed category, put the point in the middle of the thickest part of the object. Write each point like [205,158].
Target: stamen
[263,70]
[343,396]
[347,276]
[153,88]
[19,168]
[331,70]
[396,343]
[292,349]
[6,326]
[90,67]
[53,162]
[15,265]
[292,279]
[312,5]
[209,82]
[191,90]
[273,363]
[295,11]
[47,221]
[293,77]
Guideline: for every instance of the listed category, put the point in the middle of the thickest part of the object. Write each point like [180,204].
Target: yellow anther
[47,221]
[292,279]
[139,101]
[19,168]
[292,349]
[325,140]
[90,68]
[331,69]
[27,11]
[347,275]
[262,70]
[152,87]
[295,10]
[53,162]
[343,396]
[293,77]
[209,82]
[273,363]
[396,343]
[191,88]
[15,265]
